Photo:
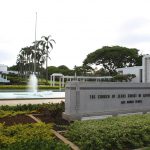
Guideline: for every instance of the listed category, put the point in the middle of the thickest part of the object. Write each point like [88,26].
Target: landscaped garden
[19,131]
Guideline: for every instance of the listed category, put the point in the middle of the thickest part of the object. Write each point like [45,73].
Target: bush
[52,109]
[124,78]
[29,137]
[35,107]
[17,80]
[117,133]
[25,107]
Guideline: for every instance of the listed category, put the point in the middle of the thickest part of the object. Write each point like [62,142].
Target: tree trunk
[46,67]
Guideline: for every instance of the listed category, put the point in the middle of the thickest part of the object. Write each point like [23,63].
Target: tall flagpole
[35,44]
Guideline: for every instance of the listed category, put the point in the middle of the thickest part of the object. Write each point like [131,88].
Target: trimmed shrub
[128,132]
[29,137]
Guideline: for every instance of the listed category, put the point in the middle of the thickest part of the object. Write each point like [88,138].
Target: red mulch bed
[18,119]
[58,121]
[50,119]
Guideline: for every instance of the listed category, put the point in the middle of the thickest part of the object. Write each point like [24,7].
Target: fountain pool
[32,92]
[30,95]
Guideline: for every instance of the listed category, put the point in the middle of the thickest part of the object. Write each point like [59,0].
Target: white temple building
[86,100]
[142,72]
[3,78]
[3,68]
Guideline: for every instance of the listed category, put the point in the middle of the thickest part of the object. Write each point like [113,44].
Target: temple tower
[146,68]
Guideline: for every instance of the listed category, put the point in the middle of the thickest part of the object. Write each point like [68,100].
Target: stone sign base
[87,99]
[72,117]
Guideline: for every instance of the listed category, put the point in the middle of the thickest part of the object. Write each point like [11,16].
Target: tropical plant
[47,44]
[20,64]
[31,58]
[28,57]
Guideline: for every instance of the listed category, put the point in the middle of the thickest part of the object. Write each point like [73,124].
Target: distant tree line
[108,58]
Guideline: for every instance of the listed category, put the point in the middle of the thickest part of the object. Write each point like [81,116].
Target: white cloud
[78,26]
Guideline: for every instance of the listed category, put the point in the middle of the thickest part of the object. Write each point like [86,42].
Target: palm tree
[47,44]
[27,53]
[31,53]
[20,62]
[32,57]
[37,54]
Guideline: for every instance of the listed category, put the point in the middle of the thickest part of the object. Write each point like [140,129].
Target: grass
[24,87]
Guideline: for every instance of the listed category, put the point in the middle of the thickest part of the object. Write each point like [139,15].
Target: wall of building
[84,99]
[142,72]
[137,70]
[3,68]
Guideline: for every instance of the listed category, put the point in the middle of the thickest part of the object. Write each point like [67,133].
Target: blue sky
[78,27]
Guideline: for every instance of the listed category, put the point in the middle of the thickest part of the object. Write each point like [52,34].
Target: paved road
[35,101]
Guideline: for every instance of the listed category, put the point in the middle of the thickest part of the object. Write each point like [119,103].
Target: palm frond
[51,45]
[53,40]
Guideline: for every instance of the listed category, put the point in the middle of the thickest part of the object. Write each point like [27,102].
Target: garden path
[29,101]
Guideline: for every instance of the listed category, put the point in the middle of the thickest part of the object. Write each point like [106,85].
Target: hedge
[128,132]
[22,87]
[33,107]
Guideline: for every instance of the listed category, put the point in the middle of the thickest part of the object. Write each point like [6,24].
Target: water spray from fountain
[33,82]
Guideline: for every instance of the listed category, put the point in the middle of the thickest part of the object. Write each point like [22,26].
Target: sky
[79,27]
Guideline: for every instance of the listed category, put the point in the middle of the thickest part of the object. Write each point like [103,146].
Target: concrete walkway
[31,101]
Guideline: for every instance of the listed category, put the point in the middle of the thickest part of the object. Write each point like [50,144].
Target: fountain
[32,92]
[32,84]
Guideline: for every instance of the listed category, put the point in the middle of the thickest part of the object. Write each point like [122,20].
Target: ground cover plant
[29,137]
[12,113]
[115,133]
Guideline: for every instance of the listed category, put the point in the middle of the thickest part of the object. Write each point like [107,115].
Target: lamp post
[35,44]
